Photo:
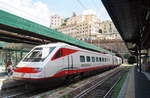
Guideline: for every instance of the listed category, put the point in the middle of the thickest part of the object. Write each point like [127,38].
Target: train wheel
[68,80]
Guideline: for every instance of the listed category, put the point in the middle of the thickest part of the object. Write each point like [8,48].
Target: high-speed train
[58,61]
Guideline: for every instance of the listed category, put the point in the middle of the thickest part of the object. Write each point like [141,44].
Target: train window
[58,54]
[88,58]
[100,59]
[96,59]
[82,59]
[93,59]
[38,54]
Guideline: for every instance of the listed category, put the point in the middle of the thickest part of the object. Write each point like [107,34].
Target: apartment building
[56,21]
[83,27]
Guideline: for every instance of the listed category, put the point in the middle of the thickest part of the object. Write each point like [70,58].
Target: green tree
[126,56]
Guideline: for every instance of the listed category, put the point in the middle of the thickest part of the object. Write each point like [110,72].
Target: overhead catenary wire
[94,2]
[81,4]
[98,5]
[22,12]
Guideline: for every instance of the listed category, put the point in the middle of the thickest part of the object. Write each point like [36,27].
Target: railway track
[84,87]
[103,88]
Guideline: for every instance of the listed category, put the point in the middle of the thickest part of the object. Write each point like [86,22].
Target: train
[59,61]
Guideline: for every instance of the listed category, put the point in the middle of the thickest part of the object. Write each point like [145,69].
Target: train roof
[60,44]
[52,44]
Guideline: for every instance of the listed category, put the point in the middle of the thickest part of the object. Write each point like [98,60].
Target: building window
[82,59]
[88,58]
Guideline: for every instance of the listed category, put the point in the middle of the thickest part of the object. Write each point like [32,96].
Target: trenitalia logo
[27,70]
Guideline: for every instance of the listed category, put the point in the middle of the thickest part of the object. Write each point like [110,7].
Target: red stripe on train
[26,70]
[73,71]
[67,72]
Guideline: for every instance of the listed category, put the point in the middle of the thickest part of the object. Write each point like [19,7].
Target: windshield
[38,54]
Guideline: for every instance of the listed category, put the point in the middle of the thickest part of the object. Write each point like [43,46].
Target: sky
[39,11]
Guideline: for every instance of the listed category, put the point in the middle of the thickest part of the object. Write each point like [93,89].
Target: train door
[113,62]
[70,64]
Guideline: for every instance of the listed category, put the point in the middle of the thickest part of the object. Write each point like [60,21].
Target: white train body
[61,60]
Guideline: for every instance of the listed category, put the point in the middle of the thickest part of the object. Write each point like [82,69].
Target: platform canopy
[132,20]
[19,30]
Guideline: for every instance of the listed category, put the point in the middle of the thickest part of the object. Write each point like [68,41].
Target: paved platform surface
[142,85]
[137,85]
[3,77]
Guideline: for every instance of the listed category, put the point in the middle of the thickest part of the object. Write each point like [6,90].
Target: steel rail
[111,89]
[85,92]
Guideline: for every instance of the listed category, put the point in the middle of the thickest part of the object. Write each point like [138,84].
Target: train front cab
[32,67]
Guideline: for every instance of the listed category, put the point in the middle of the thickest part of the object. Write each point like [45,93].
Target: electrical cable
[22,11]
[82,5]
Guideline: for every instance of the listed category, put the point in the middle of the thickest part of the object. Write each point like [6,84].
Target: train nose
[27,73]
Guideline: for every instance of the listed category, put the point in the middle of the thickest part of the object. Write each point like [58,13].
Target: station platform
[3,73]
[137,85]
[4,78]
